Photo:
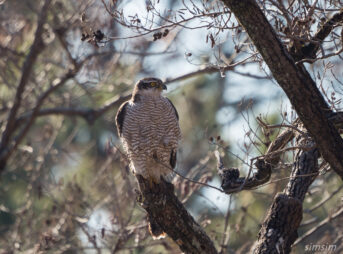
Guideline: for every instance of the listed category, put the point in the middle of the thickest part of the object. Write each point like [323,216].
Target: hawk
[148,125]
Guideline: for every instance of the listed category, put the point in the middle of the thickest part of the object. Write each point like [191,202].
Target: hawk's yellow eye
[153,84]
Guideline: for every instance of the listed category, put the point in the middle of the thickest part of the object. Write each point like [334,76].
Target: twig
[259,120]
[311,60]
[320,225]
[324,200]
[208,70]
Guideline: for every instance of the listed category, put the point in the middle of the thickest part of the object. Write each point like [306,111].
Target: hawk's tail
[155,229]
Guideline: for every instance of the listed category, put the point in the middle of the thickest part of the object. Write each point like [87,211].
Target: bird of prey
[149,130]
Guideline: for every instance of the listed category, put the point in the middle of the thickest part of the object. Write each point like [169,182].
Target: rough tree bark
[279,230]
[293,79]
[167,211]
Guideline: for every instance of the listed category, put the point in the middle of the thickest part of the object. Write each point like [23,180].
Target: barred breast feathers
[149,131]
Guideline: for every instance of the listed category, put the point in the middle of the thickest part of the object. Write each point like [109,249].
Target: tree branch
[167,211]
[8,150]
[310,50]
[266,164]
[320,225]
[89,114]
[231,182]
[294,80]
[36,48]
[279,230]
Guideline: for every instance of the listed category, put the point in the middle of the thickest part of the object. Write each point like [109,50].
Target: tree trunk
[293,79]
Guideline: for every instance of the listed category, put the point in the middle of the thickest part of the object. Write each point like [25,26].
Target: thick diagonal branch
[168,212]
[279,230]
[293,79]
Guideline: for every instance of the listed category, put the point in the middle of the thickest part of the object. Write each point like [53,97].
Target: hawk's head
[149,86]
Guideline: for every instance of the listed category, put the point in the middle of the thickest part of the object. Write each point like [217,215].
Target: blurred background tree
[66,66]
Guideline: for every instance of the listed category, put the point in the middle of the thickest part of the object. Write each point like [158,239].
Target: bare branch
[36,48]
[324,200]
[294,80]
[89,114]
[168,212]
[279,229]
[309,51]
[7,151]
[319,226]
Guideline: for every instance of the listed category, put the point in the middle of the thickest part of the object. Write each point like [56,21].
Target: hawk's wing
[173,154]
[120,117]
[177,115]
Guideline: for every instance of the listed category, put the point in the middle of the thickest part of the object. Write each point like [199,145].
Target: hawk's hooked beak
[164,87]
